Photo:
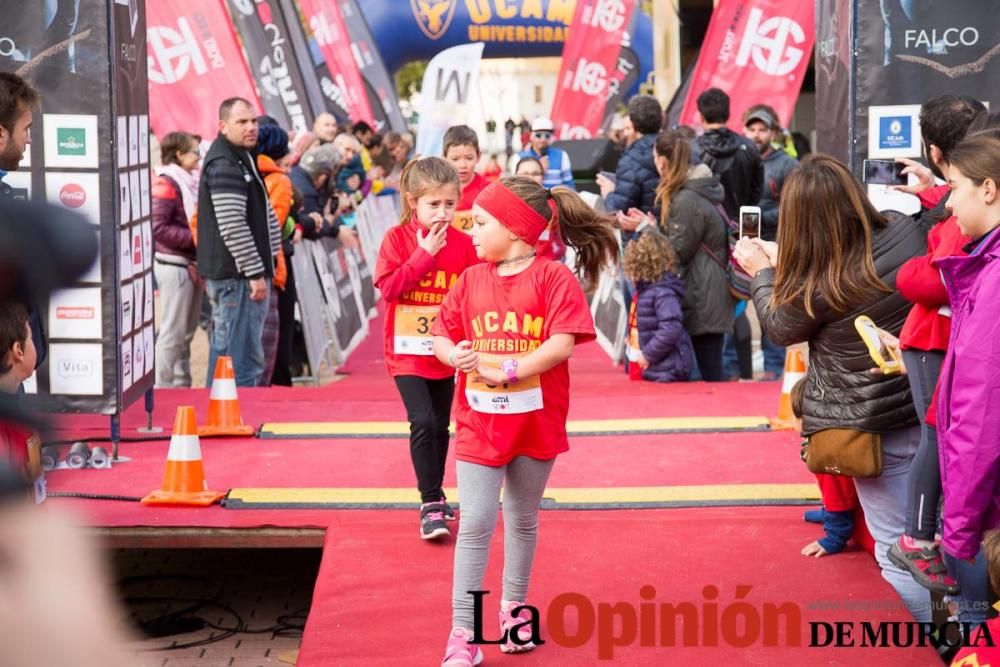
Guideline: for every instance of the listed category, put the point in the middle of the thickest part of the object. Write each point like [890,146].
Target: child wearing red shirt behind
[461,150]
[510,326]
[418,262]
[20,447]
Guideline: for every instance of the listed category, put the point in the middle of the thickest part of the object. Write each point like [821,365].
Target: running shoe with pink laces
[507,623]
[459,652]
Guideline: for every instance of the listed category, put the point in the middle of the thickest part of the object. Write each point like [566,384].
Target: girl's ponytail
[421,175]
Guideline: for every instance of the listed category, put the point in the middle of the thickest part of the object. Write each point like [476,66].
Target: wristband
[510,368]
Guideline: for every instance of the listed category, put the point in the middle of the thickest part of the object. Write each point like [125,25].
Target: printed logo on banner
[136,250]
[567,131]
[895,132]
[590,77]
[20,183]
[76,369]
[79,192]
[608,15]
[71,141]
[121,137]
[138,357]
[148,342]
[144,200]
[147,245]
[72,195]
[133,141]
[433,16]
[771,44]
[75,313]
[126,358]
[144,141]
[138,288]
[172,53]
[125,256]
[124,198]
[135,190]
[148,315]
[127,305]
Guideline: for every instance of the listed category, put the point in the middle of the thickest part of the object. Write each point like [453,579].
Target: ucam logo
[767,42]
[433,16]
[173,52]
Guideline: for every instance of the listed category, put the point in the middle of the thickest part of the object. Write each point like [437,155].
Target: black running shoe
[432,521]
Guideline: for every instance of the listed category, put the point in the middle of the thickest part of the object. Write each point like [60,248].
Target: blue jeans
[237,324]
[884,502]
[974,600]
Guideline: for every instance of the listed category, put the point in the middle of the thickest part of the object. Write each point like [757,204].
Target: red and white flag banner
[589,73]
[756,51]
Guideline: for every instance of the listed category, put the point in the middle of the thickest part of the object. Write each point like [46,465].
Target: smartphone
[884,172]
[750,221]
[885,357]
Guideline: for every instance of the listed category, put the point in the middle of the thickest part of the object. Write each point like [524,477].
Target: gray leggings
[523,480]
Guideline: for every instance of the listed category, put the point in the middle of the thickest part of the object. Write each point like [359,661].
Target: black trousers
[286,331]
[428,409]
[743,341]
[708,352]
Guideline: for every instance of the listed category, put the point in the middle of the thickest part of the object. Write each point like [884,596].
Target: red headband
[514,213]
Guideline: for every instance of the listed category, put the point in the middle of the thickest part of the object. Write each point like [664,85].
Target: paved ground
[265,587]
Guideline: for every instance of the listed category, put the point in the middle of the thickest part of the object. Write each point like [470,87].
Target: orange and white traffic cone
[795,370]
[223,405]
[184,479]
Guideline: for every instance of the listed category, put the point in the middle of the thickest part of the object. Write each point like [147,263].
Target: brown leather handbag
[843,451]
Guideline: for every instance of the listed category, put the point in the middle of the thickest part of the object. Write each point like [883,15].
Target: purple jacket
[171,233]
[968,401]
[662,338]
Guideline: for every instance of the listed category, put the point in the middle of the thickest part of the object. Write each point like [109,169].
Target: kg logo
[767,42]
[433,16]
[590,77]
[608,15]
[173,52]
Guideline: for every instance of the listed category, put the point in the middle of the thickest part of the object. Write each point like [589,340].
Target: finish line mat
[648,426]
[638,497]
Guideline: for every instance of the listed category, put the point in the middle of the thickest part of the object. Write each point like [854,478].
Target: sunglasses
[542,135]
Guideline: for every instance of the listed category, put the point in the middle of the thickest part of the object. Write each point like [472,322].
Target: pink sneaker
[459,652]
[508,621]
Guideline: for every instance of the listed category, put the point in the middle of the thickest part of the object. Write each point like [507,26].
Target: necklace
[515,260]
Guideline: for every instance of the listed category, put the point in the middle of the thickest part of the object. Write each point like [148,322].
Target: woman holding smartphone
[837,258]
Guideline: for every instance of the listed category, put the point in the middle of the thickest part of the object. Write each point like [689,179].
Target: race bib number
[412,330]
[463,221]
[505,399]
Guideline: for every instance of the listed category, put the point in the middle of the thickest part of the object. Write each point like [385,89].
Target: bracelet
[451,357]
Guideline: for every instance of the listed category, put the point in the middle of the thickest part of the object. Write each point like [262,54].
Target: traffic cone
[795,370]
[184,479]
[223,405]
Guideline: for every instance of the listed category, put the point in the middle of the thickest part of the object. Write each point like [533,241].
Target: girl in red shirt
[510,326]
[418,262]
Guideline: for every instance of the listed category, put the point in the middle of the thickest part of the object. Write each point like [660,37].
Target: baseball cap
[320,160]
[542,124]
[762,116]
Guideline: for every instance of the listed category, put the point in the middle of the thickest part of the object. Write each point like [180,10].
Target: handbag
[843,451]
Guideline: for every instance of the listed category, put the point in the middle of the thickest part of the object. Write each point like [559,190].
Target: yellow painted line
[746,493]
[575,427]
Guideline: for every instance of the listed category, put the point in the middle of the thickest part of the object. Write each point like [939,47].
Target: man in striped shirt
[238,240]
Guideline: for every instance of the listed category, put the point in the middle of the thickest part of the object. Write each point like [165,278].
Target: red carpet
[382,595]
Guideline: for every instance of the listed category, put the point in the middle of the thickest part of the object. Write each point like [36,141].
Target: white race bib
[412,329]
[506,399]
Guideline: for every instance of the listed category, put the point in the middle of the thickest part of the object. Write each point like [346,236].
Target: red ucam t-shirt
[414,283]
[507,317]
[463,209]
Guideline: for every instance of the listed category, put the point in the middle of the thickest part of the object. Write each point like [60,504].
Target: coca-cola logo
[72,195]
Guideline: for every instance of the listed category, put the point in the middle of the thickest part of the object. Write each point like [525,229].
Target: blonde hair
[649,258]
[589,233]
[420,176]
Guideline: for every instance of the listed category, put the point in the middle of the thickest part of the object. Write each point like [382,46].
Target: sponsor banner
[624,76]
[70,140]
[451,81]
[834,40]
[273,63]
[342,79]
[75,313]
[907,53]
[195,62]
[379,86]
[591,72]
[757,51]
[76,369]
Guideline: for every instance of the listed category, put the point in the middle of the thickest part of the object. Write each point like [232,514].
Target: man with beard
[17,102]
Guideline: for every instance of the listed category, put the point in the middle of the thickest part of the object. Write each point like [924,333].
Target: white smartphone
[750,222]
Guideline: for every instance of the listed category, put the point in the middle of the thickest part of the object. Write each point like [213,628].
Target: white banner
[450,81]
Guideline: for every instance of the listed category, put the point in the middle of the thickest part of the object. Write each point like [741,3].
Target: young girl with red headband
[510,326]
[418,262]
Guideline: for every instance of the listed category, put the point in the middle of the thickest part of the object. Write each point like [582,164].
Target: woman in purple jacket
[664,351]
[968,401]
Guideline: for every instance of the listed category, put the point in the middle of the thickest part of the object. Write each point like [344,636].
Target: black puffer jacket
[735,160]
[840,391]
[698,232]
[635,178]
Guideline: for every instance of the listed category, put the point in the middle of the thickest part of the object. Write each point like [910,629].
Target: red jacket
[926,327]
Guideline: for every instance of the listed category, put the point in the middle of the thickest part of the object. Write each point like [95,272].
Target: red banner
[757,52]
[590,73]
[195,62]
[326,24]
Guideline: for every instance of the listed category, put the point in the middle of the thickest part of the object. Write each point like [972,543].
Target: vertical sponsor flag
[273,64]
[591,73]
[194,63]
[450,79]
[756,51]
[326,24]
[378,84]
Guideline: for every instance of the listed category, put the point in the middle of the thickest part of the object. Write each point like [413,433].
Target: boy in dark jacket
[661,348]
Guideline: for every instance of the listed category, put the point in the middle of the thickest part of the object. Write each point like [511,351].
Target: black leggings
[282,374]
[743,342]
[428,409]
[708,352]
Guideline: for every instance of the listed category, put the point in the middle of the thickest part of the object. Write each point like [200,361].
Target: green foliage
[409,78]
